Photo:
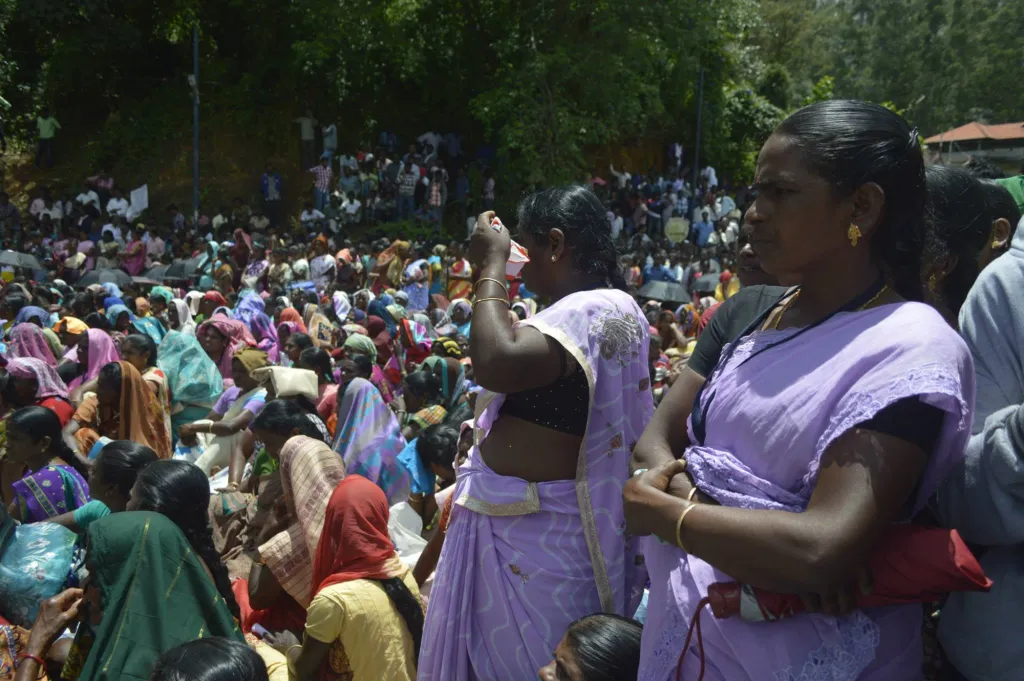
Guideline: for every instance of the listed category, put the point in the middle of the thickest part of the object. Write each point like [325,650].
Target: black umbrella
[665,291]
[16,259]
[706,283]
[157,273]
[184,269]
[119,277]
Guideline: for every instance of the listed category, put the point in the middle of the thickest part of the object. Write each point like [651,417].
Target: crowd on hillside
[603,438]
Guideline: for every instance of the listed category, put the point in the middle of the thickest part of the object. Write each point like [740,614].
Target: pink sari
[135,258]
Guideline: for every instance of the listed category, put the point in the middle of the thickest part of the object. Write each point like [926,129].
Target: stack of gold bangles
[483,300]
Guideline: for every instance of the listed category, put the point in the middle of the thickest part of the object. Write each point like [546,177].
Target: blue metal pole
[195,125]
[700,115]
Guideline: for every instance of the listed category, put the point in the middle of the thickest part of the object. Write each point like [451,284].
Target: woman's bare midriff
[521,449]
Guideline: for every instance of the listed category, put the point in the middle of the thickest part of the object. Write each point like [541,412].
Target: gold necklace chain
[789,303]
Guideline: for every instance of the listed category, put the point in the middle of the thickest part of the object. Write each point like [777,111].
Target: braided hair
[408,606]
[181,491]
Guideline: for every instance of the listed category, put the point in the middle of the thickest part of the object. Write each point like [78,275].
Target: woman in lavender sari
[809,419]
[537,538]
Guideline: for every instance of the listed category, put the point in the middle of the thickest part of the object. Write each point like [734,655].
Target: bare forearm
[774,550]
[650,451]
[492,334]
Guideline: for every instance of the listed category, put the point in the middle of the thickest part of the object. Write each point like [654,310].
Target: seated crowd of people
[410,461]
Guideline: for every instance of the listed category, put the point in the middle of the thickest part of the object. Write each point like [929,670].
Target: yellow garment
[731,289]
[277,663]
[360,616]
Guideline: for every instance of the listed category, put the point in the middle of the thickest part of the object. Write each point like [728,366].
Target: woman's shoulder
[594,302]
[918,326]
[909,343]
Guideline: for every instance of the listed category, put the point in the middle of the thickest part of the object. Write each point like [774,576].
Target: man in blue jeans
[407,180]
[322,184]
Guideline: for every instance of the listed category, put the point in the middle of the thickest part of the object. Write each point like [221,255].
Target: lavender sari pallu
[769,422]
[523,560]
[369,440]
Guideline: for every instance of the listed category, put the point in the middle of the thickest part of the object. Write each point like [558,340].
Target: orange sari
[139,417]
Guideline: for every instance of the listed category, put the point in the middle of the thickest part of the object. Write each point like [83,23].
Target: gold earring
[853,234]
[553,258]
[933,283]
[995,244]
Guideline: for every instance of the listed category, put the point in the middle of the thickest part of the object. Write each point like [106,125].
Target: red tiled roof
[978,131]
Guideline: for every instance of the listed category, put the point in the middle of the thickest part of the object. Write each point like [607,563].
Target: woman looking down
[526,544]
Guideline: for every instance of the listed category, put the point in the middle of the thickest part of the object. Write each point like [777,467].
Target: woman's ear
[868,207]
[999,235]
[556,241]
[44,444]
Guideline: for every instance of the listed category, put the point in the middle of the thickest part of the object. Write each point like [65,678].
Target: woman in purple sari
[536,538]
[52,486]
[809,420]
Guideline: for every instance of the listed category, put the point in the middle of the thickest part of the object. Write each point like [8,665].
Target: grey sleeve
[983,498]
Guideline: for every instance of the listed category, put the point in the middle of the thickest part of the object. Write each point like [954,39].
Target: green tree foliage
[942,62]
[548,83]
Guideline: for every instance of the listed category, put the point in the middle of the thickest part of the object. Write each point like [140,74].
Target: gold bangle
[483,300]
[679,526]
[692,494]
[483,279]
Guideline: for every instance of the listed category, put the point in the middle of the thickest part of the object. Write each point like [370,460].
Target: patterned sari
[51,491]
[369,440]
[310,471]
[522,560]
[460,288]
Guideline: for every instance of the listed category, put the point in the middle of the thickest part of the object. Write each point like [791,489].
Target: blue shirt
[702,232]
[658,273]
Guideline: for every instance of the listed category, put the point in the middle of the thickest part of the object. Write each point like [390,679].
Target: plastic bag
[35,562]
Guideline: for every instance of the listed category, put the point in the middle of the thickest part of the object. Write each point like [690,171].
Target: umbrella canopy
[666,291]
[16,259]
[145,281]
[706,283]
[184,269]
[119,277]
[156,273]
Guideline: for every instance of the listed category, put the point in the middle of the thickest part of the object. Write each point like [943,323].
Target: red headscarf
[355,543]
[216,297]
[290,314]
[377,329]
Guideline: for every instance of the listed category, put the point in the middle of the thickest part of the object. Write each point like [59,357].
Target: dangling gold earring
[933,283]
[995,244]
[853,234]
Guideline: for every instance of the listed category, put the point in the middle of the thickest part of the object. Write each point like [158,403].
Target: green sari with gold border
[156,596]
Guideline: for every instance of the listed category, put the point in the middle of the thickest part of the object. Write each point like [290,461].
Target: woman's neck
[575,282]
[826,289]
[41,461]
